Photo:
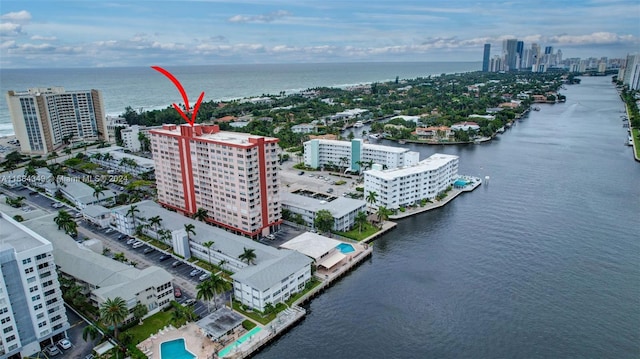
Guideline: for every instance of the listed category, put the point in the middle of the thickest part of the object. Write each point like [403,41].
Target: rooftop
[220,322]
[17,236]
[211,133]
[311,244]
[271,272]
[433,162]
[339,207]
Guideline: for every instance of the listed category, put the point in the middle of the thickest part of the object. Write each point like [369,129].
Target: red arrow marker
[178,85]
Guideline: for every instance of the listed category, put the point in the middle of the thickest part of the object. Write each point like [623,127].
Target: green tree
[360,220]
[97,191]
[219,285]
[190,229]
[140,311]
[132,212]
[248,255]
[113,312]
[324,220]
[155,223]
[205,291]
[372,198]
[208,245]
[201,214]
[90,332]
[383,214]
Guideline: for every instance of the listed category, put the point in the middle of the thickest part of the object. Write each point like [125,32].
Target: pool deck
[195,341]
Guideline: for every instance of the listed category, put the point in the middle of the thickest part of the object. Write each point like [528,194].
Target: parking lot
[318,181]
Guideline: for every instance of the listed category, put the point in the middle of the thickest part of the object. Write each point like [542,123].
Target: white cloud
[10,29]
[43,38]
[19,17]
[263,18]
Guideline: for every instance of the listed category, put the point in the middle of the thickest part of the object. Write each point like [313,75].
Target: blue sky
[140,33]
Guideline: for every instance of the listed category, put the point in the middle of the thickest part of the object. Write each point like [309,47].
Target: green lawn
[367,230]
[150,326]
[312,284]
[264,320]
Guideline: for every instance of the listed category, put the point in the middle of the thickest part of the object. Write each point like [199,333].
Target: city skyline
[113,34]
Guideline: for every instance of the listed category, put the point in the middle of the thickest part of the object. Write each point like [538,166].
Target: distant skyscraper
[486,58]
[535,56]
[45,118]
[520,52]
[548,50]
[509,53]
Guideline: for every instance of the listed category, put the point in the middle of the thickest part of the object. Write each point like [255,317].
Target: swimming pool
[345,248]
[175,349]
[242,339]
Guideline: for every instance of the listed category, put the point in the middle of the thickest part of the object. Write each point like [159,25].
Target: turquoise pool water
[345,248]
[175,349]
[242,339]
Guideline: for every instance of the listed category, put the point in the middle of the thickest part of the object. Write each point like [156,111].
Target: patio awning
[331,260]
[103,348]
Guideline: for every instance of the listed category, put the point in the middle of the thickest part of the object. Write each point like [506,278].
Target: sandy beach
[6,147]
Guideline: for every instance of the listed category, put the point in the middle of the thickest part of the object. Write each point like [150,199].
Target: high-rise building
[548,50]
[486,57]
[32,311]
[520,52]
[231,175]
[44,119]
[509,48]
[631,72]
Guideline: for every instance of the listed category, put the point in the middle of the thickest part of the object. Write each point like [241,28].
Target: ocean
[147,89]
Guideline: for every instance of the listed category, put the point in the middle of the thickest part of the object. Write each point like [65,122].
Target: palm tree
[219,285]
[177,314]
[97,191]
[360,220]
[190,229]
[222,263]
[57,172]
[30,172]
[372,198]
[189,313]
[208,246]
[248,256]
[344,161]
[201,214]
[383,214]
[114,311]
[140,311]
[106,157]
[155,223]
[132,212]
[65,221]
[90,332]
[205,291]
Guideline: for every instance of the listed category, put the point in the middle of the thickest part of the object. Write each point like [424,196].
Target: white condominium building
[232,175]
[45,118]
[31,306]
[408,185]
[318,153]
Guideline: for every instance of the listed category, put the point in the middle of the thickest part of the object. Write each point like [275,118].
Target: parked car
[177,292]
[64,344]
[300,173]
[109,230]
[121,237]
[176,264]
[204,276]
[190,302]
[195,272]
[131,241]
[271,236]
[138,244]
[164,257]
[330,190]
[52,350]
[147,250]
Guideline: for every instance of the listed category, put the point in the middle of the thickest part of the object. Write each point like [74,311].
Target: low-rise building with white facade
[277,266]
[82,195]
[323,250]
[272,281]
[114,158]
[102,277]
[131,136]
[99,215]
[350,154]
[344,210]
[32,311]
[303,128]
[409,185]
[17,178]
[465,126]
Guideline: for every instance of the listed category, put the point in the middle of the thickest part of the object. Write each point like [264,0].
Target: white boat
[375,136]
[358,124]
[500,130]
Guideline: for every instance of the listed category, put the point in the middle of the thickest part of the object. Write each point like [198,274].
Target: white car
[52,350]
[271,237]
[138,244]
[64,344]
[131,241]
[205,276]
